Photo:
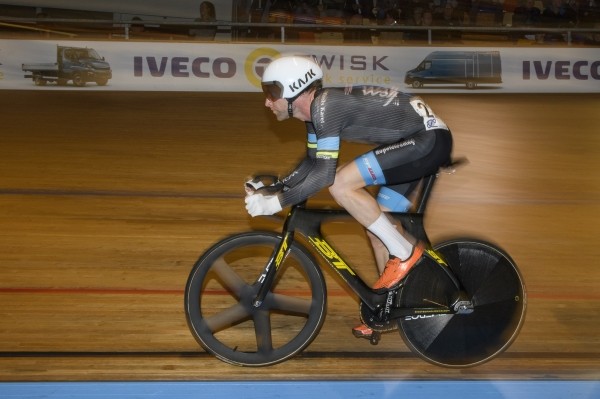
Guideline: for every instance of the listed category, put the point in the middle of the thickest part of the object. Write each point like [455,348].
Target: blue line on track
[304,390]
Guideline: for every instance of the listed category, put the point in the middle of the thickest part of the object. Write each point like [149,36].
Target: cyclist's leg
[380,252]
[393,198]
[349,191]
[402,162]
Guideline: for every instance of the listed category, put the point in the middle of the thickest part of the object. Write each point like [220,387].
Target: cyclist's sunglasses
[273,90]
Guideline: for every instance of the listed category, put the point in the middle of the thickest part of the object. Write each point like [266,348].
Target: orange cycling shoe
[362,331]
[396,269]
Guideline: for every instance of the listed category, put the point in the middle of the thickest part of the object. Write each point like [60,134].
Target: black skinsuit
[374,115]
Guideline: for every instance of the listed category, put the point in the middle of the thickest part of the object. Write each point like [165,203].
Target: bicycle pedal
[375,338]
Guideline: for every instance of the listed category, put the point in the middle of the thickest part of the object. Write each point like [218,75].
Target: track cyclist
[409,140]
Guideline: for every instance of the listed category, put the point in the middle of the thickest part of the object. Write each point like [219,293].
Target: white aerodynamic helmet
[288,76]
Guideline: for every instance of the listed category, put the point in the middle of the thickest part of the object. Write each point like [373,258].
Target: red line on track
[86,291]
[129,291]
[336,293]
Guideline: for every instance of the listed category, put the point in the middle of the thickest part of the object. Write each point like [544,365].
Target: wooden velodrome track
[107,199]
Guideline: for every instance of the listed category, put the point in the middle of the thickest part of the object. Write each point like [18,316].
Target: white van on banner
[159,66]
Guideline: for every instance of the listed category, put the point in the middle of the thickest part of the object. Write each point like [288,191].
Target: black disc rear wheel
[491,281]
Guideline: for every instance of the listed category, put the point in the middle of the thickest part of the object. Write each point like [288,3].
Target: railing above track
[277,32]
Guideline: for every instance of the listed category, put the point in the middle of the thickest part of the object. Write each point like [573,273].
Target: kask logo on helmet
[301,83]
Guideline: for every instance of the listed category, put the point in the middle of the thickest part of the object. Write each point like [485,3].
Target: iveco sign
[184,67]
[561,70]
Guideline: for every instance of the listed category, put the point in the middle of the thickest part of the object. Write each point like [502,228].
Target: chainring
[379,319]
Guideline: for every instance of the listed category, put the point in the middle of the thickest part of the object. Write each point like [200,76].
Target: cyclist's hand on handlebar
[263,184]
[258,204]
[252,185]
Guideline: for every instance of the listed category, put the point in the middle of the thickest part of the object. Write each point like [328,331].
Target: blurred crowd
[437,13]
[344,21]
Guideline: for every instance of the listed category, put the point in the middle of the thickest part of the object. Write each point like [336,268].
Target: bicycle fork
[266,278]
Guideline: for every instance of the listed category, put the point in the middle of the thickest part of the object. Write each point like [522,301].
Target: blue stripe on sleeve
[328,143]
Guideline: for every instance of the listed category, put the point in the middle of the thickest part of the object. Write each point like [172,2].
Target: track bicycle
[259,298]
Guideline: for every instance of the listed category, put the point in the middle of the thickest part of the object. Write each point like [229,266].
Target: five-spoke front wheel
[220,293]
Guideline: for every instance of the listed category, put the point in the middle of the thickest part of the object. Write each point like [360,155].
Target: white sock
[396,244]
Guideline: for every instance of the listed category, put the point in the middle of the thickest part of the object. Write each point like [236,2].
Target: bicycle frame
[308,222]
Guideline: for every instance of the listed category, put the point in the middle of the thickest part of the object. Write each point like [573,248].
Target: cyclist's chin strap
[290,110]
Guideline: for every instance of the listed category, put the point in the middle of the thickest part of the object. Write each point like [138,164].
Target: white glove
[259,204]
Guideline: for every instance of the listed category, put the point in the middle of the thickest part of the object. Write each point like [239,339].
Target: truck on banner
[78,65]
[160,66]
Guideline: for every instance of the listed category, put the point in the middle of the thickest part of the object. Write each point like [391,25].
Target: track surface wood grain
[107,200]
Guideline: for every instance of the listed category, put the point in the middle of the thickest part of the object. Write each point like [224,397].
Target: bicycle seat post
[429,181]
[428,184]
